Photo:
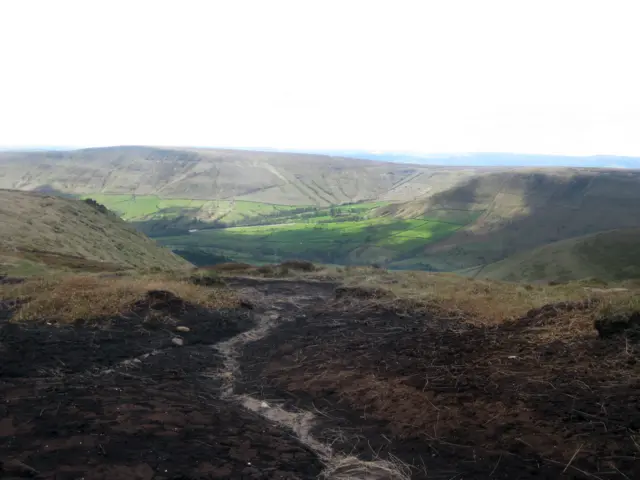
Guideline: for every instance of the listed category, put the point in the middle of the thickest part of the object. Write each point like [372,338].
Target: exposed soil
[542,397]
[273,390]
[117,399]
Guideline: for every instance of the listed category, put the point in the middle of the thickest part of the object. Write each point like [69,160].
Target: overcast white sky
[538,76]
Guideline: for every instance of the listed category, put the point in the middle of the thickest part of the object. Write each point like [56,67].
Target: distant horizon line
[416,153]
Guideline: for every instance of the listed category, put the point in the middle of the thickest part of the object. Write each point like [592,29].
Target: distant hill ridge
[270,177]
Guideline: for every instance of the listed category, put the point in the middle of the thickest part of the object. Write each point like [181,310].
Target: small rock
[264,405]
[183,329]
[274,316]
[512,357]
[177,341]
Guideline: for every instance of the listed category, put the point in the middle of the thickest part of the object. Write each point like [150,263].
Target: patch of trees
[98,206]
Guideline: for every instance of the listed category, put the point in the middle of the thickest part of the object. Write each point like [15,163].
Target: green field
[148,207]
[259,232]
[331,242]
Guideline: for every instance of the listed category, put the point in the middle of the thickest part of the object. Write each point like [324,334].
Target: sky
[528,76]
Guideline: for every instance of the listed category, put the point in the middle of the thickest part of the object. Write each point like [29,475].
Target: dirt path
[278,303]
[532,398]
[122,401]
[308,385]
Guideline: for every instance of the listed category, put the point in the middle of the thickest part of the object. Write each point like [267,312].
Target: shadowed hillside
[518,211]
[609,256]
[45,230]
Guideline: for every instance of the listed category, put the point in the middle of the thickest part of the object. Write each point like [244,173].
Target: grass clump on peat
[480,301]
[67,298]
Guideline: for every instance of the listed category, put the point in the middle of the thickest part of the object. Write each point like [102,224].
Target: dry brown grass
[66,298]
[352,468]
[455,296]
[480,301]
[289,268]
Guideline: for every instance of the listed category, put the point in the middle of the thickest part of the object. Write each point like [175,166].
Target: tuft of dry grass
[352,468]
[449,295]
[480,301]
[620,304]
[67,298]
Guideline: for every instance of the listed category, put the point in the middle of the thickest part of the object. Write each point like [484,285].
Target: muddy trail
[530,398]
[308,381]
[133,398]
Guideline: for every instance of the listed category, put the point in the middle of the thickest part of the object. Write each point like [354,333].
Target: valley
[213,205]
[263,233]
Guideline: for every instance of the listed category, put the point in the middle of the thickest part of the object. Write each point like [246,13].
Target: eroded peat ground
[532,398]
[121,401]
[306,375]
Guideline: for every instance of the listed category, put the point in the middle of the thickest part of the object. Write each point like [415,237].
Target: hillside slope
[458,217]
[270,177]
[42,229]
[612,255]
[520,210]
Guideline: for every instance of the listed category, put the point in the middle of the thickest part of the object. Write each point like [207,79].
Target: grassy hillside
[521,210]
[217,230]
[158,216]
[213,174]
[610,256]
[268,206]
[40,230]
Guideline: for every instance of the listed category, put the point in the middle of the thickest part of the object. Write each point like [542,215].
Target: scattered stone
[182,328]
[274,316]
[177,341]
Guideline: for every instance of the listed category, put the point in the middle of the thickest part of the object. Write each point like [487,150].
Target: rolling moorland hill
[262,207]
[40,231]
[495,159]
[275,178]
[609,256]
[522,210]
